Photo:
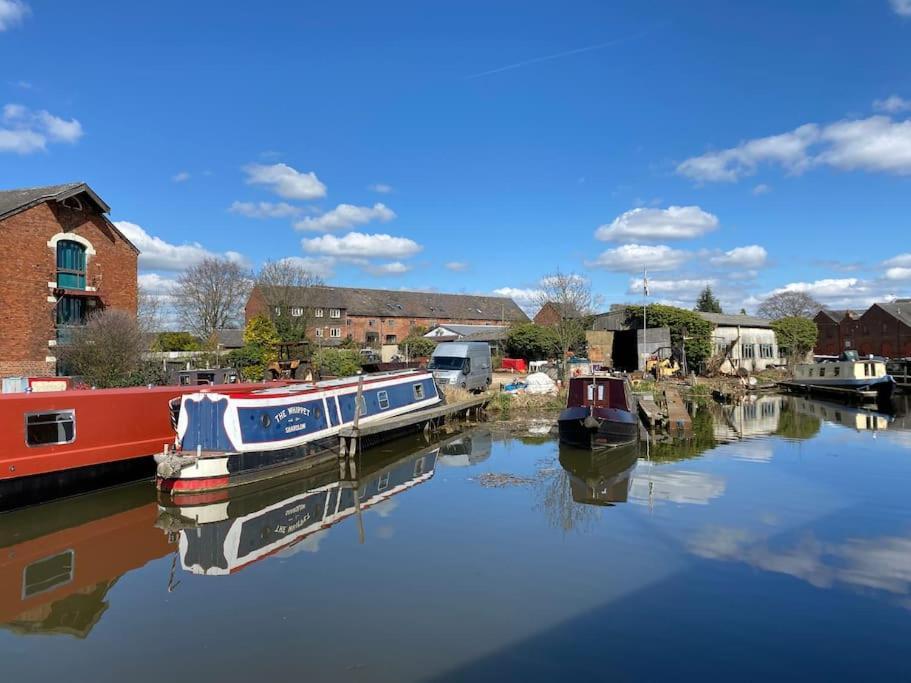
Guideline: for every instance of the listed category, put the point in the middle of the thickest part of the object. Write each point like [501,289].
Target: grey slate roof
[14,201]
[838,314]
[899,310]
[229,339]
[724,320]
[400,304]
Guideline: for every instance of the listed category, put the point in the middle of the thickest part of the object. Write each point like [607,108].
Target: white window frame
[297,312]
[382,399]
[317,312]
[418,390]
[319,331]
[335,313]
[69,413]
[335,332]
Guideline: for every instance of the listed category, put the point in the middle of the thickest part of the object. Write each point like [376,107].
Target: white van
[462,364]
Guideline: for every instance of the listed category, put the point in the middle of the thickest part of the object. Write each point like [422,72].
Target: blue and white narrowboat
[849,376]
[230,438]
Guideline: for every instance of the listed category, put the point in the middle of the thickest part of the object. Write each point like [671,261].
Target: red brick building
[884,329]
[63,260]
[372,317]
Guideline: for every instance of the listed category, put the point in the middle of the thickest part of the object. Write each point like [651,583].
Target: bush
[532,342]
[682,323]
[797,335]
[417,346]
[338,362]
[175,341]
[106,351]
[260,340]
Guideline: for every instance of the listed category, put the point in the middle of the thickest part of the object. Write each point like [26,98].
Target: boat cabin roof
[328,384]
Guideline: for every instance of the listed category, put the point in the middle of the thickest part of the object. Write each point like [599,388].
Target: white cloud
[751,257]
[838,292]
[680,289]
[156,254]
[787,149]
[394,268]
[323,267]
[762,188]
[633,258]
[901,260]
[381,188]
[360,245]
[24,131]
[181,177]
[672,223]
[525,297]
[456,266]
[156,284]
[346,216]
[286,181]
[12,12]
[876,144]
[893,103]
[901,7]
[264,209]
[898,274]
[873,144]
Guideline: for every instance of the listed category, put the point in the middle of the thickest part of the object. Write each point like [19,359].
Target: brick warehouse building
[377,316]
[64,260]
[884,329]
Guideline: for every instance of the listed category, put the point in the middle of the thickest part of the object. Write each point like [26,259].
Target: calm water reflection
[775,542]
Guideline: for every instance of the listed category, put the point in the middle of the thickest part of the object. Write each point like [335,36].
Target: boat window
[418,392]
[48,573]
[836,370]
[382,398]
[419,467]
[383,482]
[591,392]
[822,372]
[45,429]
[810,372]
[867,369]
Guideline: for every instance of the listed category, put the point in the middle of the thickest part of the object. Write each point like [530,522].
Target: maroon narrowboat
[59,443]
[599,412]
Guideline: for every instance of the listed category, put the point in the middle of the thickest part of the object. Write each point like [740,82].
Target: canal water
[775,542]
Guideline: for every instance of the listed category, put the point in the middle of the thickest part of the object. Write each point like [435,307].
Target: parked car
[463,364]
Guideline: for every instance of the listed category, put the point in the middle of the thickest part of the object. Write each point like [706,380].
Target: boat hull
[880,389]
[597,428]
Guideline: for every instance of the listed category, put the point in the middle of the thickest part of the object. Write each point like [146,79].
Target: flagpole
[645,318]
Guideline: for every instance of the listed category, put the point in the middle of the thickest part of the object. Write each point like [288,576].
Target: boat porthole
[265,420]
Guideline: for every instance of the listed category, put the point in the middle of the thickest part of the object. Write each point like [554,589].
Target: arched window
[70,265]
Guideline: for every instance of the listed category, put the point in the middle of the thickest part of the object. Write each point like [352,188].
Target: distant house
[228,340]
[884,329]
[495,335]
[373,317]
[63,259]
[836,331]
[747,342]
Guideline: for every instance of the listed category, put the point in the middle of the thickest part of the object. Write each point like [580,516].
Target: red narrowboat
[59,443]
[599,412]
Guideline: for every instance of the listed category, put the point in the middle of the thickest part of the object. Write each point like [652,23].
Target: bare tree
[570,296]
[287,288]
[106,351]
[148,311]
[789,305]
[211,295]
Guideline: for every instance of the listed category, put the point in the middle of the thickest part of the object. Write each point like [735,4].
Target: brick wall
[28,265]
[881,334]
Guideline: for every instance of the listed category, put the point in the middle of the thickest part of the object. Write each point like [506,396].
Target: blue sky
[477,146]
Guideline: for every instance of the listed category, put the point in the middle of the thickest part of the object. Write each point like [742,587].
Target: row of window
[319,312]
[749,350]
[334,332]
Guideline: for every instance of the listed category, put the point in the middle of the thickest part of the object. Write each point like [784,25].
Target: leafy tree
[797,335]
[682,324]
[337,362]
[707,303]
[418,346]
[175,341]
[106,351]
[789,305]
[260,340]
[210,295]
[532,342]
[743,311]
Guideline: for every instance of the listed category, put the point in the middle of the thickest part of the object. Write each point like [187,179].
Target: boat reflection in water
[58,561]
[846,415]
[471,448]
[241,526]
[600,477]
